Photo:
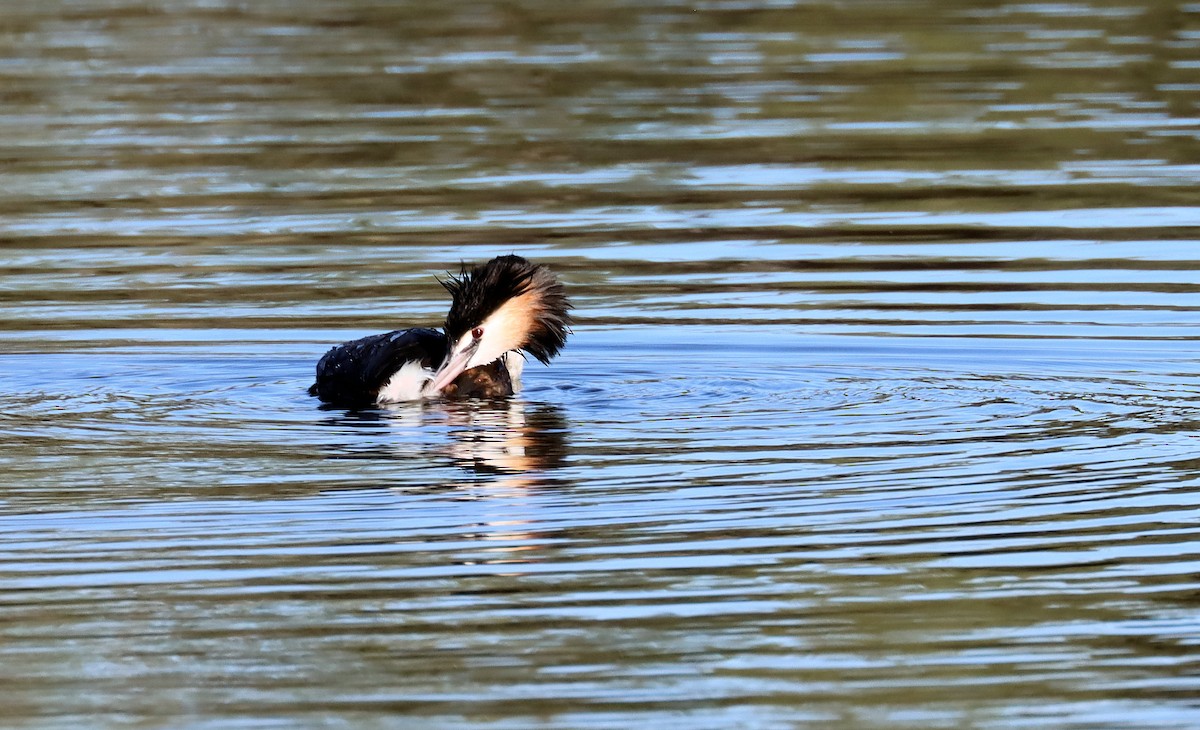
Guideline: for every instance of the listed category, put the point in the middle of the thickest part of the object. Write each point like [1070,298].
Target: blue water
[880,410]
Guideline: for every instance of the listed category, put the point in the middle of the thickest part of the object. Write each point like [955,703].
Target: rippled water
[881,410]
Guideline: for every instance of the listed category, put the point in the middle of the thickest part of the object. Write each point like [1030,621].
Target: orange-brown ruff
[498,309]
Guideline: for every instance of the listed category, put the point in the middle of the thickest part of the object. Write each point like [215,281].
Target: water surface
[881,409]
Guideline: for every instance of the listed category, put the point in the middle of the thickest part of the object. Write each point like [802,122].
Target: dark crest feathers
[485,288]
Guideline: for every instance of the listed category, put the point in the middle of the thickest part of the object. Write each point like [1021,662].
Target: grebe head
[506,304]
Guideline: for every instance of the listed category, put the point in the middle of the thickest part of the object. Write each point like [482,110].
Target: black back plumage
[478,293]
[351,374]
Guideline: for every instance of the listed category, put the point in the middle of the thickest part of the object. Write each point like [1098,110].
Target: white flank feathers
[407,384]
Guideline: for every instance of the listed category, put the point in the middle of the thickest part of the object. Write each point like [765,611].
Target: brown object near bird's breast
[486,381]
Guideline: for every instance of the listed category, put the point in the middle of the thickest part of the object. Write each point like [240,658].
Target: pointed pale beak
[451,369]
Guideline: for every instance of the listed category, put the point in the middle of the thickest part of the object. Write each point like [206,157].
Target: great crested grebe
[497,308]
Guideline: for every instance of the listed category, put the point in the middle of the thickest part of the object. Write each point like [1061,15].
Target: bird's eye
[477,332]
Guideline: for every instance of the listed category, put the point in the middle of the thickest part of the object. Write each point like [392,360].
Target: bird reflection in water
[513,447]
[506,437]
[508,448]
[509,440]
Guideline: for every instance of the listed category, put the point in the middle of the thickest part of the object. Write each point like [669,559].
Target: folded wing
[351,374]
